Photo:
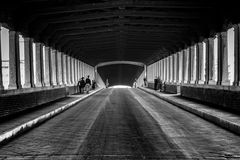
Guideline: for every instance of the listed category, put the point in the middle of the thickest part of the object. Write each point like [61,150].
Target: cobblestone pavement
[120,124]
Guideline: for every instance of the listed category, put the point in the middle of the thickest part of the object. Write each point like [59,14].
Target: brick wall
[172,88]
[13,103]
[169,88]
[230,99]
[151,85]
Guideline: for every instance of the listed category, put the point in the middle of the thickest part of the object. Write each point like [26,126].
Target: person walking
[93,84]
[81,85]
[107,84]
[155,83]
[88,84]
[135,84]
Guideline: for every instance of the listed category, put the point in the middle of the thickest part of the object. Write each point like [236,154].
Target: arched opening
[120,74]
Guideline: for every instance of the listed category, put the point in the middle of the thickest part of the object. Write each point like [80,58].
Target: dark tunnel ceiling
[105,30]
[123,74]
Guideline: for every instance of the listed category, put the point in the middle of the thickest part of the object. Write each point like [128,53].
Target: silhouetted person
[81,85]
[160,85]
[107,84]
[93,84]
[145,81]
[135,83]
[155,83]
[88,84]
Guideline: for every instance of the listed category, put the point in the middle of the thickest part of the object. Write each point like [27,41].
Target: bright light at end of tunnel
[120,86]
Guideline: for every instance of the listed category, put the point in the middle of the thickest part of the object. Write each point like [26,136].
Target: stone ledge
[8,135]
[203,113]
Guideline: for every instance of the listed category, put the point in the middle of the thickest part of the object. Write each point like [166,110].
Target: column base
[212,82]
[38,84]
[200,82]
[192,82]
[225,83]
[27,85]
[47,84]
[12,86]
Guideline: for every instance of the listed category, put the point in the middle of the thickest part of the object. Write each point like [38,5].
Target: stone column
[47,66]
[219,55]
[189,68]
[83,69]
[1,78]
[28,65]
[170,69]
[70,70]
[79,76]
[166,66]
[159,69]
[176,68]
[80,69]
[63,62]
[201,64]
[14,61]
[67,76]
[39,65]
[236,55]
[174,59]
[185,66]
[197,63]
[179,69]
[206,61]
[59,64]
[60,68]
[53,67]
[57,67]
[224,59]
[78,64]
[173,68]
[161,65]
[74,71]
[211,61]
[164,70]
[193,64]
[50,67]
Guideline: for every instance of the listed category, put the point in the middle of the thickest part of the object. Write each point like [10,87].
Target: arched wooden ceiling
[97,31]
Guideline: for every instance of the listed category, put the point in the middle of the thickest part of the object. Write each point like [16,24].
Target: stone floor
[117,124]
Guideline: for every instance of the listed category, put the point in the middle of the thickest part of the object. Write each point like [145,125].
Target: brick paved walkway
[117,124]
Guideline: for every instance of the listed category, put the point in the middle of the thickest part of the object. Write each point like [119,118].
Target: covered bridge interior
[192,46]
